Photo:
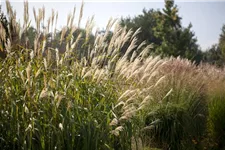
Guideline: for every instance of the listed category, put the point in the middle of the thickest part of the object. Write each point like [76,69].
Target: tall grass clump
[46,101]
[176,118]
[216,108]
[65,112]
[62,95]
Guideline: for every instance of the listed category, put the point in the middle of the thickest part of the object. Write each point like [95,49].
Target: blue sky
[207,17]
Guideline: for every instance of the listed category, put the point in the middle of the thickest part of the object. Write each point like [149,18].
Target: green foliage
[28,37]
[214,56]
[216,118]
[164,30]
[74,90]
[222,41]
[176,40]
[71,112]
[145,21]
[178,120]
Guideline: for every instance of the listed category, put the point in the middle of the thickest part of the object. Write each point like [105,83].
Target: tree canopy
[222,41]
[147,21]
[215,55]
[163,28]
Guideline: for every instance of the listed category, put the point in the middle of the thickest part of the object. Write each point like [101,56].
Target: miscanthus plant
[42,109]
[51,100]
[81,91]
[48,104]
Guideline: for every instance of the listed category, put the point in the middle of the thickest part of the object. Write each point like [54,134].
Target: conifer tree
[176,40]
[222,41]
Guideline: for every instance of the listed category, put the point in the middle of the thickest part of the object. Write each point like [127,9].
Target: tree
[176,40]
[28,37]
[214,56]
[222,41]
[85,41]
[163,29]
[147,21]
